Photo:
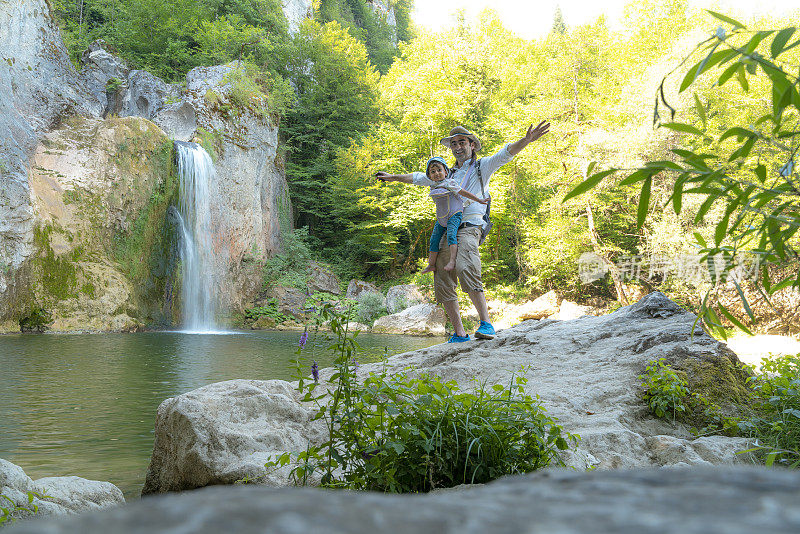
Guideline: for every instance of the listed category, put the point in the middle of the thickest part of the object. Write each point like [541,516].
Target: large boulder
[227,431]
[105,74]
[146,95]
[586,373]
[702,500]
[541,307]
[289,300]
[400,297]
[419,320]
[62,495]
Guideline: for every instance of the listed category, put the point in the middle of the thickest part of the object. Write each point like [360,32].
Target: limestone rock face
[356,287]
[402,296]
[296,11]
[421,320]
[65,495]
[38,85]
[93,184]
[250,184]
[226,431]
[41,94]
[732,500]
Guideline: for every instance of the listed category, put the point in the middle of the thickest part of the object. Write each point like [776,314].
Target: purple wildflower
[304,338]
[315,371]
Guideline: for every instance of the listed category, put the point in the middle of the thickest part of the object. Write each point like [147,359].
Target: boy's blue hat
[436,159]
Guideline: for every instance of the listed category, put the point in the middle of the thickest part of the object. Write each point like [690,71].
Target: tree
[749,169]
[336,91]
[559,26]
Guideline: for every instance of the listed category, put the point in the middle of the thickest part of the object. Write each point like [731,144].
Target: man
[465,145]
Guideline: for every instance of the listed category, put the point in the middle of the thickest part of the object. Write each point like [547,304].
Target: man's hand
[530,136]
[535,133]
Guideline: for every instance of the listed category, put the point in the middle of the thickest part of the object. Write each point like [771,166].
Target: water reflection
[85,404]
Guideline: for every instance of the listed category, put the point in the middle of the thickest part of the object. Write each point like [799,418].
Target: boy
[446,193]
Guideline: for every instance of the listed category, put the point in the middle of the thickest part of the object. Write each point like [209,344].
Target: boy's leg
[433,247]
[452,239]
[431,263]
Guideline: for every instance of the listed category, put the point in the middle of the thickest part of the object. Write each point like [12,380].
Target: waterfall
[202,264]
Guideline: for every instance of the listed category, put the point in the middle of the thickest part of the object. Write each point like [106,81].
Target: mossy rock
[719,377]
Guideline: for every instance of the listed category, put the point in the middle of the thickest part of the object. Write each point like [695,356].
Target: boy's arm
[386,177]
[467,194]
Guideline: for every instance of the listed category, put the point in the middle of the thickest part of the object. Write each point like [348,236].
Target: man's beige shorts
[468,266]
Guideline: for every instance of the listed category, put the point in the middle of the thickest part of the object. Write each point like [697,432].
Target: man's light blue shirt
[468,178]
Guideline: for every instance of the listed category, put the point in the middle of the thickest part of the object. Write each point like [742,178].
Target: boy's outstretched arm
[530,136]
[466,194]
[386,177]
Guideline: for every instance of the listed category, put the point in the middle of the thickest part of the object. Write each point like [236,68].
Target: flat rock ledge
[701,500]
[585,372]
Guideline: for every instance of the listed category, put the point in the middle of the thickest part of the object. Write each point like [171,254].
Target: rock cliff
[38,86]
[85,225]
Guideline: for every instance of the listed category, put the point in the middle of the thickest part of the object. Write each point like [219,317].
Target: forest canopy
[368,96]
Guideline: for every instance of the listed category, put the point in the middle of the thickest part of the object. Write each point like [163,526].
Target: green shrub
[776,427]
[405,433]
[665,392]
[289,268]
[251,315]
[371,305]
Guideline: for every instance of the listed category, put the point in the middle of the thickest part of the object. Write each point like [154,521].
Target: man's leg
[478,299]
[453,313]
[468,270]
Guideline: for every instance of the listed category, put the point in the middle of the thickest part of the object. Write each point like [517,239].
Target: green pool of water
[85,404]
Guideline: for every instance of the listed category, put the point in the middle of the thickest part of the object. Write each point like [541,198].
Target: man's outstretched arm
[530,136]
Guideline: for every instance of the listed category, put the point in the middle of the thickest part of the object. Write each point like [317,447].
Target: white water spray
[202,276]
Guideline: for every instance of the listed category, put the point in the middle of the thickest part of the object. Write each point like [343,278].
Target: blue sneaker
[485,331]
[459,339]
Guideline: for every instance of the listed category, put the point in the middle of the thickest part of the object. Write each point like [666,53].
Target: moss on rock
[716,377]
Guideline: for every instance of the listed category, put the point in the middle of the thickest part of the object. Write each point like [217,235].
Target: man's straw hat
[460,130]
